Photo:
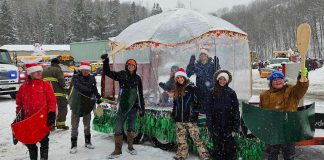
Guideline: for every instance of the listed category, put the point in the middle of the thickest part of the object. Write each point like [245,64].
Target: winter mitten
[51,116]
[104,56]
[304,72]
[99,101]
[192,59]
[161,84]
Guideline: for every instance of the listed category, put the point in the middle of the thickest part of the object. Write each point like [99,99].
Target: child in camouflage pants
[185,113]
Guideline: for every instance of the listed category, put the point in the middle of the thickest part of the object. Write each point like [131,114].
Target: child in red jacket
[31,97]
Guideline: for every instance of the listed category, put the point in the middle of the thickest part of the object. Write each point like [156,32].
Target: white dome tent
[170,38]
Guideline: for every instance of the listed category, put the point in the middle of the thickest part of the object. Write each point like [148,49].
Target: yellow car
[94,66]
[265,72]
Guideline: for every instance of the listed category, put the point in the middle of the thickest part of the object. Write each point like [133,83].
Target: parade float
[167,39]
[170,38]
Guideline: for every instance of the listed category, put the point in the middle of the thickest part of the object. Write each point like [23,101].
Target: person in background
[54,75]
[168,88]
[86,86]
[185,113]
[283,98]
[204,69]
[31,97]
[224,115]
[131,101]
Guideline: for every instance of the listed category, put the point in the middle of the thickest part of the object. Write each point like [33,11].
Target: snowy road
[60,140]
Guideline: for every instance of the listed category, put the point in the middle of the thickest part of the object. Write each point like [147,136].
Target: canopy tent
[170,38]
[176,27]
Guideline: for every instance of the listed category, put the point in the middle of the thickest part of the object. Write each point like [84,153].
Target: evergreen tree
[8,30]
[133,15]
[114,27]
[78,20]
[49,34]
[69,37]
[156,9]
[98,29]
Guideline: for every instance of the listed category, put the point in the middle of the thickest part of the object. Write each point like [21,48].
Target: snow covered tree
[49,34]
[114,27]
[78,20]
[69,37]
[50,12]
[133,15]
[156,9]
[180,4]
[8,29]
[72,20]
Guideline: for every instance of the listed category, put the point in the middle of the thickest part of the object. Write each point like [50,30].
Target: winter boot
[130,141]
[44,154]
[74,143]
[61,125]
[33,152]
[88,142]
[118,147]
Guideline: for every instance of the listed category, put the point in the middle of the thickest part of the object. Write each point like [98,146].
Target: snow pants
[224,144]
[120,121]
[288,151]
[181,131]
[75,124]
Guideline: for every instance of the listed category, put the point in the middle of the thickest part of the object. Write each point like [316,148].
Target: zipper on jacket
[182,109]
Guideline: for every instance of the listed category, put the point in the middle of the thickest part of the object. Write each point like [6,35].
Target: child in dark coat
[224,117]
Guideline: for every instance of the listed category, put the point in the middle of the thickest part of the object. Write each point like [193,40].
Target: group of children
[219,101]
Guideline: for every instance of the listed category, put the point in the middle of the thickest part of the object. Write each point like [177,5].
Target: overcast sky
[201,5]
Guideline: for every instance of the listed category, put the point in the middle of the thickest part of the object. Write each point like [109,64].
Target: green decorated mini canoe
[274,127]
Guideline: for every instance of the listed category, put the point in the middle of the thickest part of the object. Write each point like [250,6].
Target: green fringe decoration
[157,123]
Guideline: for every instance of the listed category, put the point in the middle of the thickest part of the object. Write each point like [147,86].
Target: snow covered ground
[60,140]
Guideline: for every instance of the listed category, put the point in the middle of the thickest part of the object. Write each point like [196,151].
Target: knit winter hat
[204,51]
[55,61]
[33,67]
[276,74]
[132,62]
[85,66]
[223,74]
[174,68]
[181,72]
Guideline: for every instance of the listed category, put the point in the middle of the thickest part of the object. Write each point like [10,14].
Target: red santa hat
[33,67]
[85,66]
[181,72]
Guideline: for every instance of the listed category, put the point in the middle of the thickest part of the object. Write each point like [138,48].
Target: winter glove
[161,84]
[99,101]
[104,56]
[141,112]
[51,116]
[192,60]
[304,72]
